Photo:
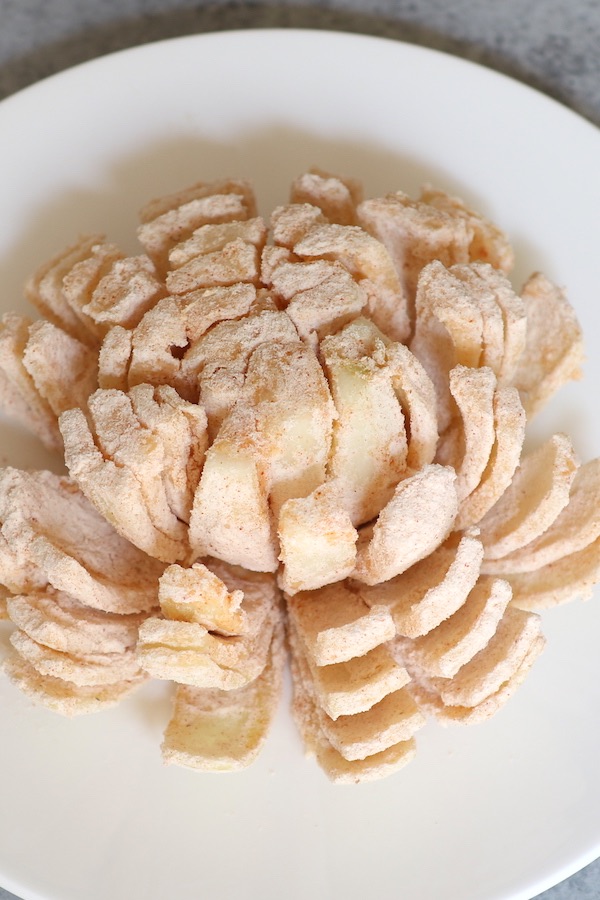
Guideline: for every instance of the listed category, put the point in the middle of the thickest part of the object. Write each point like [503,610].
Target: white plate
[502,810]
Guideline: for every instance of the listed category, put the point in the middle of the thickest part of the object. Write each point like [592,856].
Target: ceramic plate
[502,810]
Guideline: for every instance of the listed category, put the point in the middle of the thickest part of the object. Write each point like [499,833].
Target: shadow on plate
[269,157]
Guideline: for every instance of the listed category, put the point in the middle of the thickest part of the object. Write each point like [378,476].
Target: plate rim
[307,32]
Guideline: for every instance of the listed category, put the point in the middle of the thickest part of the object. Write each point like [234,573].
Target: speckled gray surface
[550,44]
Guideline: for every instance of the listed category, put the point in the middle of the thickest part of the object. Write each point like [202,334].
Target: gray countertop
[552,45]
